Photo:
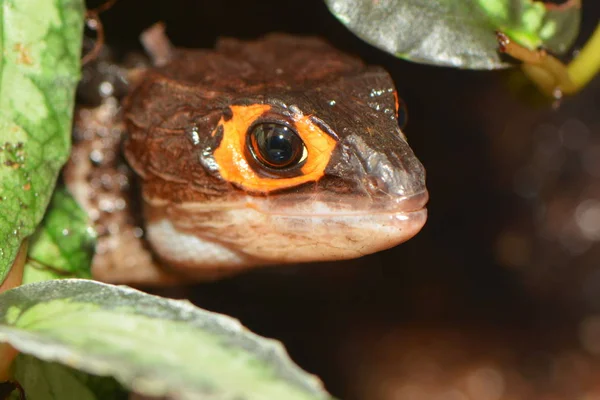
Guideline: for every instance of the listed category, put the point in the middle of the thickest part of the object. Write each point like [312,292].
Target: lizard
[263,152]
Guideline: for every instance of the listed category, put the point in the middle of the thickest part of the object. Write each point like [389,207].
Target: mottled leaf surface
[152,345]
[457,33]
[40,46]
[63,245]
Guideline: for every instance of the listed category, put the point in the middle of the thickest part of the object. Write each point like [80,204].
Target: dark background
[497,296]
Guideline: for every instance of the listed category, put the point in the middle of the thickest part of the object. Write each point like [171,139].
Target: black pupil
[276,145]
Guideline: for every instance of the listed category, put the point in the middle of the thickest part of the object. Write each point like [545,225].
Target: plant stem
[7,356]
[587,63]
[550,75]
[14,279]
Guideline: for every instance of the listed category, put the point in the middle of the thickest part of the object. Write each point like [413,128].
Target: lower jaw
[246,238]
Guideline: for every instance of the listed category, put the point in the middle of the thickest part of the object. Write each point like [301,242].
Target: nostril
[376,184]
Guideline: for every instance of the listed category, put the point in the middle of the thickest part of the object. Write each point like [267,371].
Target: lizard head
[280,150]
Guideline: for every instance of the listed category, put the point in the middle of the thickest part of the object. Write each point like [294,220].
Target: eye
[276,146]
[402,115]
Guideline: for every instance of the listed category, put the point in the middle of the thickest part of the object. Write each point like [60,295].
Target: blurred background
[499,296]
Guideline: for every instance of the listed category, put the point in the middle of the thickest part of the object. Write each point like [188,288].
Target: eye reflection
[276,146]
[402,115]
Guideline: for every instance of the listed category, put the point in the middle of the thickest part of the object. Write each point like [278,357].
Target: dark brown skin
[198,86]
[212,205]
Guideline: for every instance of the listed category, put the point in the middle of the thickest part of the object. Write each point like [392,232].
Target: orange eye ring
[401,111]
[232,154]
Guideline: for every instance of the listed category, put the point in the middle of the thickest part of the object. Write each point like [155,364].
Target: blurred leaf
[63,245]
[458,33]
[152,345]
[43,380]
[40,45]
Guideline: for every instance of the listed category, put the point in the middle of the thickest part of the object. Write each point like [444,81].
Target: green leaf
[458,33]
[40,46]
[43,380]
[63,245]
[152,345]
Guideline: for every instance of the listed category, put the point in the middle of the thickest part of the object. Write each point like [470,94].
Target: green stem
[587,63]
[549,74]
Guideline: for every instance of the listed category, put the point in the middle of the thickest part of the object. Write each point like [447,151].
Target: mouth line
[406,206]
[344,214]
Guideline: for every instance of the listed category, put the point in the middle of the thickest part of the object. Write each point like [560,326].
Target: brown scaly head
[278,150]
